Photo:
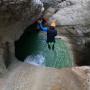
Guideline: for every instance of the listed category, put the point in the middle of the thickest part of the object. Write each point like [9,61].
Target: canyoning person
[51,33]
[35,25]
[43,21]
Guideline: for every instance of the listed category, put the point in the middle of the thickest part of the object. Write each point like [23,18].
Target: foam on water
[37,60]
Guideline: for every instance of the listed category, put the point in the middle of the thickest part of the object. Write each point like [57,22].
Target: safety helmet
[53,23]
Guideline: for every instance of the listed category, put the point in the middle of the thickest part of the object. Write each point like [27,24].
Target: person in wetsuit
[51,33]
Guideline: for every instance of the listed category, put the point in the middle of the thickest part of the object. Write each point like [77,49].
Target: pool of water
[32,48]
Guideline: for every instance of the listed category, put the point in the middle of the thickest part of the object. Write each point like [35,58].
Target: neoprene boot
[53,47]
[49,46]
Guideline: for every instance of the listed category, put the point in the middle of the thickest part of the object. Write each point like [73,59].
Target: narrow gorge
[25,61]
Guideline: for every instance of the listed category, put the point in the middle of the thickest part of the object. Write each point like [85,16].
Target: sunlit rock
[77,13]
[31,77]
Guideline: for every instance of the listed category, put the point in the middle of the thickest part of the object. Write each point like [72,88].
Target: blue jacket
[40,26]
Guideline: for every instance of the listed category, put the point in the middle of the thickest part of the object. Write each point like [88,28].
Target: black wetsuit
[51,35]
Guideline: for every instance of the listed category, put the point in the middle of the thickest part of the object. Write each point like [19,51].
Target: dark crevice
[6,55]
[85,55]
[30,32]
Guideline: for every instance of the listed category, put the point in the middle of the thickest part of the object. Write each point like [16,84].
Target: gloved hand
[39,21]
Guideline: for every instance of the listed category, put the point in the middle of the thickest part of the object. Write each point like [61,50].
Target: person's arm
[43,28]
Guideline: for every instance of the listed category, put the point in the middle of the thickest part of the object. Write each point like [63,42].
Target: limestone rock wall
[70,12]
[15,16]
[73,13]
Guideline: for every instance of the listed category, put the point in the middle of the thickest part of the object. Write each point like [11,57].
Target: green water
[32,43]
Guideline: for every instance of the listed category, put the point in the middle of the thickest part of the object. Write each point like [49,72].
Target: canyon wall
[15,16]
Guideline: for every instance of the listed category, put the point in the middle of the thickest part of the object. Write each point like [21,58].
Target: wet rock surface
[29,77]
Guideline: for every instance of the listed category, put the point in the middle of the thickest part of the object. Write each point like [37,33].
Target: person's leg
[53,46]
[49,47]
